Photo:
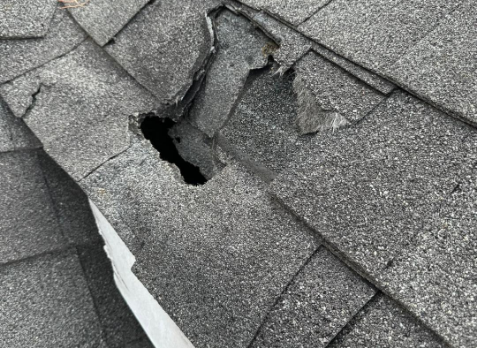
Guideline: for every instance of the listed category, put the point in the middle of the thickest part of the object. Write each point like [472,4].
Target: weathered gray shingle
[102,19]
[45,302]
[25,19]
[319,302]
[28,224]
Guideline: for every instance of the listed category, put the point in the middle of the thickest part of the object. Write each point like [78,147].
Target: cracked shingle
[81,107]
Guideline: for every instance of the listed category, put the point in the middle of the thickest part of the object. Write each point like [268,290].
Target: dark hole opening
[156,130]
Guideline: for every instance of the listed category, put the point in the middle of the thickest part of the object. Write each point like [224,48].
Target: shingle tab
[292,11]
[383,324]
[46,303]
[20,56]
[442,68]
[102,19]
[28,224]
[375,33]
[319,302]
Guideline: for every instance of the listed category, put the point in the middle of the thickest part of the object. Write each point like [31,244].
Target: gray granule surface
[292,44]
[25,19]
[292,11]
[45,302]
[397,169]
[384,324]
[28,224]
[263,123]
[102,19]
[71,204]
[442,67]
[323,297]
[375,33]
[240,49]
[20,56]
[14,134]
[69,113]
[332,89]
[164,45]
[215,257]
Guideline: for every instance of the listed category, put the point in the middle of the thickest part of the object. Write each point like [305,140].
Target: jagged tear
[156,130]
[312,117]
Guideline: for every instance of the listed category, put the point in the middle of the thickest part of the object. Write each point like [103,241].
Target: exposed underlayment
[265,174]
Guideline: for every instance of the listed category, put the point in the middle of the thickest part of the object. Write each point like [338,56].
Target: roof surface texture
[286,173]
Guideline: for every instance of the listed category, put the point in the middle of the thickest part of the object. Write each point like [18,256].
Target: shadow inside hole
[156,130]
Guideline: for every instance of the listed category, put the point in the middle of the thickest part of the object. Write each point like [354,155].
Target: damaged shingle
[328,97]
[81,107]
[240,49]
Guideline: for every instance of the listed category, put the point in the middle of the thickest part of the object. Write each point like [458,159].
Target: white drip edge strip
[159,327]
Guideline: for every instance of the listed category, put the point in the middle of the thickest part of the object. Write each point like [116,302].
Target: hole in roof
[156,130]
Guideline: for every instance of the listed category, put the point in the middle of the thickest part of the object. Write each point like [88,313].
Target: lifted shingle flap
[25,19]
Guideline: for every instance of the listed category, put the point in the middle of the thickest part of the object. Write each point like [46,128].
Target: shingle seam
[45,63]
[372,300]
[335,250]
[57,251]
[90,292]
[315,12]
[279,297]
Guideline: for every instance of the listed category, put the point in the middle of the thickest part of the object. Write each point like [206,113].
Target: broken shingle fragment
[46,303]
[25,19]
[262,126]
[102,19]
[319,302]
[240,49]
[28,224]
[442,68]
[375,33]
[80,108]
[214,256]
[20,56]
[165,45]
[383,324]
[328,97]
